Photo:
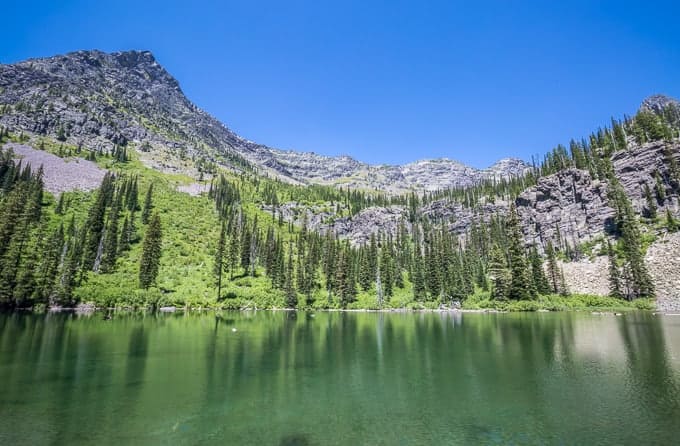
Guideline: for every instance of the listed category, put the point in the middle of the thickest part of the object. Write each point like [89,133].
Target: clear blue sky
[389,81]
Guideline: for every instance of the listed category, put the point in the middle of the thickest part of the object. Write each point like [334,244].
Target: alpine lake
[332,378]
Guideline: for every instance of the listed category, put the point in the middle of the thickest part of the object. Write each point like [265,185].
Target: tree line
[44,256]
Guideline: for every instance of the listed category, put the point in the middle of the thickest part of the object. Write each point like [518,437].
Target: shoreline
[91,309]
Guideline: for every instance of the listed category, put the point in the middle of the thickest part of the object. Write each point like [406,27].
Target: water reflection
[374,378]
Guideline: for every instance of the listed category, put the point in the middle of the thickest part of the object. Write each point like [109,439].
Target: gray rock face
[656,103]
[383,220]
[59,175]
[419,176]
[663,261]
[98,99]
[569,205]
[315,217]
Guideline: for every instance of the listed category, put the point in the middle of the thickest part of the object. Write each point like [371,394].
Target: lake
[285,378]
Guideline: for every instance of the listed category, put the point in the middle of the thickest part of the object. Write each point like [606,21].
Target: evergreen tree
[291,294]
[95,224]
[386,270]
[132,196]
[68,279]
[671,223]
[110,252]
[639,282]
[59,210]
[614,274]
[417,277]
[650,202]
[520,286]
[499,274]
[151,253]
[553,270]
[540,281]
[234,251]
[659,188]
[345,286]
[366,276]
[148,205]
[49,265]
[125,239]
[246,244]
[218,264]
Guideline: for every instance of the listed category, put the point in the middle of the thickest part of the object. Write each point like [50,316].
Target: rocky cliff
[570,205]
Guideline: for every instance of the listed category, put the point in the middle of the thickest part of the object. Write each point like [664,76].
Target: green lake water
[340,379]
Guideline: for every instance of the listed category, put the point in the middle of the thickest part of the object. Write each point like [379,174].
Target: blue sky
[384,81]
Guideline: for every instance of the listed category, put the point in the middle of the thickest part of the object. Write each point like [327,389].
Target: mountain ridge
[131,98]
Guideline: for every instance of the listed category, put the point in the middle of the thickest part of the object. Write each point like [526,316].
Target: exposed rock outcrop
[419,176]
[587,276]
[60,175]
[663,261]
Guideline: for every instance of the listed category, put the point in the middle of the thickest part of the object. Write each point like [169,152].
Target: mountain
[424,175]
[98,100]
[619,186]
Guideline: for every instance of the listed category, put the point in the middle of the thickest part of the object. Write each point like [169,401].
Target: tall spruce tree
[520,283]
[218,263]
[650,207]
[540,281]
[148,205]
[639,283]
[499,274]
[291,294]
[386,270]
[149,263]
[553,269]
[671,222]
[615,289]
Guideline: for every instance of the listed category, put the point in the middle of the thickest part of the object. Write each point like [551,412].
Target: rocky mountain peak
[656,103]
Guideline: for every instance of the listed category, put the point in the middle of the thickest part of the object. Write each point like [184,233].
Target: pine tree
[234,251]
[366,276]
[246,245]
[386,270]
[614,273]
[72,256]
[417,277]
[520,286]
[540,281]
[659,188]
[564,291]
[218,264]
[291,294]
[49,265]
[553,270]
[110,252]
[131,197]
[671,223]
[151,253]
[650,202]
[344,283]
[499,274]
[639,283]
[59,210]
[125,239]
[148,205]
[95,224]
